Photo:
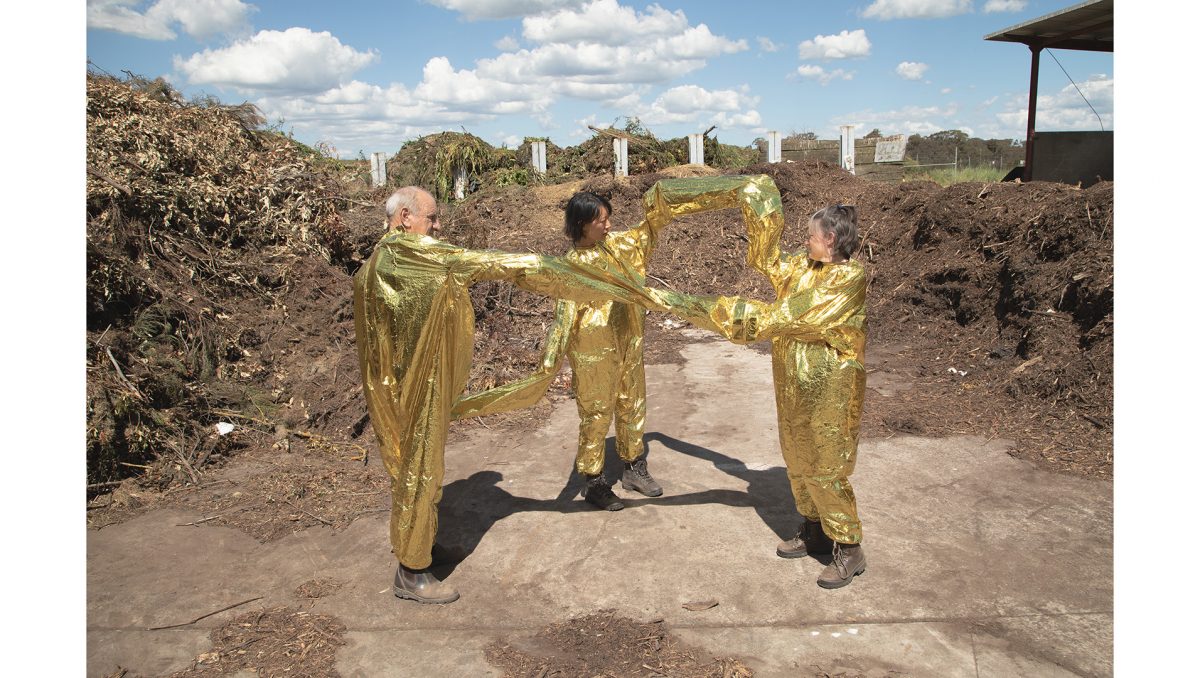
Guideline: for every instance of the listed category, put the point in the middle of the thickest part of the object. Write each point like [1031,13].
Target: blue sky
[366,76]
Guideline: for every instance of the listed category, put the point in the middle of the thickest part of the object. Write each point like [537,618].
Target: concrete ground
[978,563]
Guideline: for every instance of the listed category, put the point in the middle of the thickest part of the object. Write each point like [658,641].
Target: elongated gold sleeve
[414,328]
[817,326]
[604,340]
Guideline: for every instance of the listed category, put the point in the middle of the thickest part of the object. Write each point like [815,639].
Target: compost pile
[994,299]
[212,245]
[219,292]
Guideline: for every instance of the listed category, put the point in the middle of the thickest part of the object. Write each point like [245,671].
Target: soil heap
[220,259]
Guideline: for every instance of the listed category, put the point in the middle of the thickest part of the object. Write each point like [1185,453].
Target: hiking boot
[809,539]
[848,562]
[422,586]
[637,477]
[599,494]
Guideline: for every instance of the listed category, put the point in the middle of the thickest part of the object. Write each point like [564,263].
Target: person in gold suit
[605,351]
[414,330]
[820,382]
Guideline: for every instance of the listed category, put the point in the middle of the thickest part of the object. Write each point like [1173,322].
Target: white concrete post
[621,153]
[848,148]
[378,169]
[538,159]
[696,149]
[460,183]
[774,147]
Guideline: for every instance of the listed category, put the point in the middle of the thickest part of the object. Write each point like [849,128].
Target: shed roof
[1085,26]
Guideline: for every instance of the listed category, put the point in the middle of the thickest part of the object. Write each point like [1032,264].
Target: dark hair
[582,209]
[842,222]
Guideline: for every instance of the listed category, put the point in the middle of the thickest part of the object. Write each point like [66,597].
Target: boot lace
[839,560]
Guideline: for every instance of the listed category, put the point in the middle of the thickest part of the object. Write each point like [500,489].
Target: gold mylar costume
[817,327]
[414,326]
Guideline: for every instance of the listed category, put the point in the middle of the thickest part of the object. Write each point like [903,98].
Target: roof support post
[1036,50]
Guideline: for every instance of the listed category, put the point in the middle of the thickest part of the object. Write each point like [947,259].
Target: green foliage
[430,161]
[948,176]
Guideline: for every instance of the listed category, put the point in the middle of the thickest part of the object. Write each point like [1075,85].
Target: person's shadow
[768,489]
[471,506]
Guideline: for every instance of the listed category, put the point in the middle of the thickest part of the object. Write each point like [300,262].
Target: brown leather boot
[848,562]
[637,477]
[422,586]
[809,539]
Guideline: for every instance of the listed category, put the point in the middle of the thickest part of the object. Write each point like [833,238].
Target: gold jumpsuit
[414,327]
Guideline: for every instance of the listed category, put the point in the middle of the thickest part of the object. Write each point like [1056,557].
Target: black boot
[599,494]
[637,477]
[809,539]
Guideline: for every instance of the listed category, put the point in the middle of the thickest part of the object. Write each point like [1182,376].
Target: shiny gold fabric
[603,341]
[414,327]
[817,326]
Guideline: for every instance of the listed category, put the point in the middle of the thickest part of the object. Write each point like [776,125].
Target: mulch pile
[604,644]
[279,641]
[1010,284]
[214,257]
[219,292]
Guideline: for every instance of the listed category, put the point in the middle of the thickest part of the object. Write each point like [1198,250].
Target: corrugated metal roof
[1086,26]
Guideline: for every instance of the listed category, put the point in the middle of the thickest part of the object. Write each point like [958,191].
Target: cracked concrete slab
[979,564]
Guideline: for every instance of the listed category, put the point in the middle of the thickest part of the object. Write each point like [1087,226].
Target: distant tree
[954,136]
[801,136]
[873,134]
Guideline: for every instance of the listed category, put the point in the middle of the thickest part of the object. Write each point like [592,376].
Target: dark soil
[604,644]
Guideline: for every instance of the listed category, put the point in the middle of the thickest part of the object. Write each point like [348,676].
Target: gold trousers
[819,408]
[608,385]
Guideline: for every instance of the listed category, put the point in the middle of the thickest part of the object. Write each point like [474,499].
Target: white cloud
[503,9]
[916,9]
[652,60]
[812,72]
[465,90]
[506,139]
[507,44]
[691,103]
[1064,110]
[200,19]
[911,70]
[604,22]
[583,130]
[360,116]
[906,120]
[946,90]
[1004,6]
[766,45]
[844,45]
[295,60]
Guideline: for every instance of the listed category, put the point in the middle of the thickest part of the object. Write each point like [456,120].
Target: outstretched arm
[815,314]
[527,391]
[756,196]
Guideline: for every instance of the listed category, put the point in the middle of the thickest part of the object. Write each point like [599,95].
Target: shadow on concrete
[769,490]
[471,506]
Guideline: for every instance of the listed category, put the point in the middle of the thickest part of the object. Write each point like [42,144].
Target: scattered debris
[604,644]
